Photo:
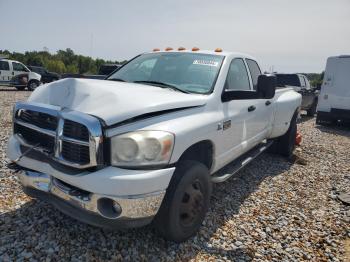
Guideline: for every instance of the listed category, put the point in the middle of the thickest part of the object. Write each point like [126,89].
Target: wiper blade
[163,85]
[116,79]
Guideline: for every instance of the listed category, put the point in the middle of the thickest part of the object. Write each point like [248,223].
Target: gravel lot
[273,210]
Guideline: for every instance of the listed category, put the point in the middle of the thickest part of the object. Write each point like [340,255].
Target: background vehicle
[301,84]
[46,76]
[14,73]
[334,101]
[103,72]
[146,144]
[107,69]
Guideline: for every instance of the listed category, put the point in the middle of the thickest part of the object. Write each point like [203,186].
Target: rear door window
[254,71]
[237,77]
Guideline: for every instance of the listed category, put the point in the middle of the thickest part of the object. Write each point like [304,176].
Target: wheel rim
[33,85]
[192,204]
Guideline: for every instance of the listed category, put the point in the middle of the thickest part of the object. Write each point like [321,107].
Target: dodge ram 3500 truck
[145,145]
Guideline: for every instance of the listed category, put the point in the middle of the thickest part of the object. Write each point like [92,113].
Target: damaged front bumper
[110,197]
[99,210]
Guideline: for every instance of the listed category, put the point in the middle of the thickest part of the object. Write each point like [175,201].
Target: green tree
[64,61]
[56,66]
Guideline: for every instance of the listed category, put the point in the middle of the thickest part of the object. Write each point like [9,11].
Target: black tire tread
[162,221]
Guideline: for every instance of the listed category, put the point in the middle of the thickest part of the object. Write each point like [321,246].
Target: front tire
[186,202]
[32,85]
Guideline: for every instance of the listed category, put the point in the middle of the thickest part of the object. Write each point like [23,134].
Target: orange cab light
[181,48]
[195,49]
[156,49]
[169,49]
[218,50]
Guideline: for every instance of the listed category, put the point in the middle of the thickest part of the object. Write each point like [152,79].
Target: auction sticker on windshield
[206,62]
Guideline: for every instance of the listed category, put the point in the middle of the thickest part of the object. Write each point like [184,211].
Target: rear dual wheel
[285,145]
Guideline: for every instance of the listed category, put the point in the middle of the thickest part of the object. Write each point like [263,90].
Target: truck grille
[36,138]
[75,153]
[75,130]
[72,138]
[38,119]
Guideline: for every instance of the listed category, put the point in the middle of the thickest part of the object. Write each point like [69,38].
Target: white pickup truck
[145,145]
[14,73]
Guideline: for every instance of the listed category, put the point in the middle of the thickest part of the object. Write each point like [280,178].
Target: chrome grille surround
[91,123]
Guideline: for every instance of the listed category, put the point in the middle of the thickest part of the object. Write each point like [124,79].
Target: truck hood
[111,101]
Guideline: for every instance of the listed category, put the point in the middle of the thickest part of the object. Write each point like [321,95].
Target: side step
[232,168]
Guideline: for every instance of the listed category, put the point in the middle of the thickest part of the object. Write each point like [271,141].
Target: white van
[14,73]
[334,100]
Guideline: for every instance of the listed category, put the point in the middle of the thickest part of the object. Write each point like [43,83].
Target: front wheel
[33,84]
[186,202]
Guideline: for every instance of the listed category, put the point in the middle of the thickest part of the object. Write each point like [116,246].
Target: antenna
[91,43]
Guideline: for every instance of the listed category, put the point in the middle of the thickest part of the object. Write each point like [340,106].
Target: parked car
[334,102]
[46,76]
[146,144]
[301,84]
[14,73]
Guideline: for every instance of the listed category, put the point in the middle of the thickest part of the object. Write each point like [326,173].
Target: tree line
[315,79]
[64,61]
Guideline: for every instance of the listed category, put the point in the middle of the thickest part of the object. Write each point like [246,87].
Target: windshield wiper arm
[163,85]
[116,79]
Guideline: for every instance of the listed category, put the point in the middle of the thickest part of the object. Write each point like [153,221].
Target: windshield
[189,72]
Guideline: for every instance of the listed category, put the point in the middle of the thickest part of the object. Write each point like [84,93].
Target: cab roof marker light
[169,49]
[156,50]
[181,48]
[195,49]
[218,50]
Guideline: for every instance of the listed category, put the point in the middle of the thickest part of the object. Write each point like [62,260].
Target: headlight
[142,148]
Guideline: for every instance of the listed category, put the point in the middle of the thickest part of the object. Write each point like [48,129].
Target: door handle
[268,103]
[251,108]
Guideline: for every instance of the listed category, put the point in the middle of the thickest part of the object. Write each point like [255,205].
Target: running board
[232,168]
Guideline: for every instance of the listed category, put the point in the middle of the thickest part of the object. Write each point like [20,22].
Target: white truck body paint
[111,101]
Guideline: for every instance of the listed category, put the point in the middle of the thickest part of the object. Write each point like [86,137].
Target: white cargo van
[334,100]
[14,73]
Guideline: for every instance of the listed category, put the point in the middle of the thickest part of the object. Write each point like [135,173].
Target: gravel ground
[273,210]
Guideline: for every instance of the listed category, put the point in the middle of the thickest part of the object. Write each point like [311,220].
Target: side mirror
[318,86]
[266,87]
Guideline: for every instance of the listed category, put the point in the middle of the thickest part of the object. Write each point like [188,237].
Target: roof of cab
[208,52]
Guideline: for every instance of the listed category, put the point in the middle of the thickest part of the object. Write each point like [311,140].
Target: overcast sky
[291,36]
